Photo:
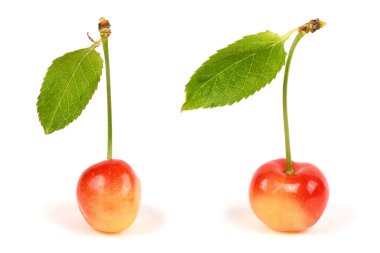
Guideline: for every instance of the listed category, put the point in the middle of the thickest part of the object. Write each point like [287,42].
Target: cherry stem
[109,103]
[105,31]
[289,169]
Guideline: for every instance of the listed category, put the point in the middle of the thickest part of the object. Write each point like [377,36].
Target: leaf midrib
[68,84]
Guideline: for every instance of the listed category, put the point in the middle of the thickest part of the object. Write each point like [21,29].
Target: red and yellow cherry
[288,202]
[108,195]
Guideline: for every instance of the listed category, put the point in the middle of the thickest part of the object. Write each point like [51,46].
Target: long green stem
[289,169]
[109,103]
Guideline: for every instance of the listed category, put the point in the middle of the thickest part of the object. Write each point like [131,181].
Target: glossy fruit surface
[108,195]
[288,203]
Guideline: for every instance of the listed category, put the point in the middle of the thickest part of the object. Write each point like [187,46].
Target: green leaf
[237,71]
[68,86]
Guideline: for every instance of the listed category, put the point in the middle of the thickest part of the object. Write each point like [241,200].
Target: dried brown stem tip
[90,38]
[312,26]
[104,28]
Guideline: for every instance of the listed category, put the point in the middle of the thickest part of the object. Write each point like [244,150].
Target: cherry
[288,202]
[108,195]
[285,195]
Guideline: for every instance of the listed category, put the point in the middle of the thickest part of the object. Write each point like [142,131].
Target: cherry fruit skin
[108,195]
[288,202]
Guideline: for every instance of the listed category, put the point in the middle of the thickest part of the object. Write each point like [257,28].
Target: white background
[195,166]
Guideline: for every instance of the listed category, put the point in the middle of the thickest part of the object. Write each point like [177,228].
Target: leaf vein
[265,67]
[249,71]
[85,78]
